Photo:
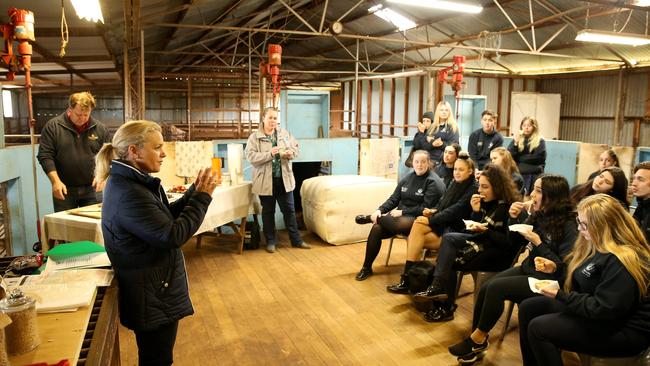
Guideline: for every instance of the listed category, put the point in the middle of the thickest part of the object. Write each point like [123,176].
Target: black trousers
[156,347]
[287,206]
[491,259]
[545,328]
[77,197]
[386,227]
[511,284]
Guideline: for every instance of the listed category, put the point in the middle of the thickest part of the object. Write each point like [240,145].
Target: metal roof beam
[48,55]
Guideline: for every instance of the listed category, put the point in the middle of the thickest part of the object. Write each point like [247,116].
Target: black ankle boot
[402,287]
[362,219]
[436,291]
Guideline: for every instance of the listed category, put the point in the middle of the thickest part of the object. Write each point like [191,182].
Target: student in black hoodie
[442,132]
[445,170]
[448,214]
[417,190]
[489,211]
[603,308]
[483,140]
[528,148]
[641,190]
[552,236]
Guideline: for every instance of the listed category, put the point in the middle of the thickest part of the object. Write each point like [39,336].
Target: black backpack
[252,235]
[419,279]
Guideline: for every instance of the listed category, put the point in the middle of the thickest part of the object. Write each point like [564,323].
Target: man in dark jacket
[483,140]
[641,190]
[68,145]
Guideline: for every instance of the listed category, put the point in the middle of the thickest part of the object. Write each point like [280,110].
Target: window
[7,104]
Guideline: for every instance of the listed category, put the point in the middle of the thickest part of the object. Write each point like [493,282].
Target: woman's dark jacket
[143,234]
[529,162]
[415,193]
[454,206]
[446,134]
[554,250]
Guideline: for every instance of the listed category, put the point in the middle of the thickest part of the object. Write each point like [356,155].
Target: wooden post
[350,106]
[510,86]
[407,86]
[357,118]
[619,117]
[369,108]
[420,98]
[430,92]
[392,106]
[189,110]
[499,104]
[381,108]
[479,81]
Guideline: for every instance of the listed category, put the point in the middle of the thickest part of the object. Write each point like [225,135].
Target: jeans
[78,196]
[286,203]
[156,347]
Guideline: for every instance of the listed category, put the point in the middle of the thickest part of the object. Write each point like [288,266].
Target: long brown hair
[502,184]
[508,163]
[612,230]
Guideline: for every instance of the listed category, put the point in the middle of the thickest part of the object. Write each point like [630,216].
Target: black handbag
[420,276]
[467,253]
[409,159]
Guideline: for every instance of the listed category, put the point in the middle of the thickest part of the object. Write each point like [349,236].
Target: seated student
[448,214]
[446,169]
[417,190]
[610,181]
[603,308]
[607,158]
[484,139]
[528,149]
[490,205]
[641,190]
[502,157]
[552,236]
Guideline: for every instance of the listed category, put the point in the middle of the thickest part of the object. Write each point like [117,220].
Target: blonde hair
[508,163]
[451,121]
[130,133]
[83,99]
[535,137]
[612,230]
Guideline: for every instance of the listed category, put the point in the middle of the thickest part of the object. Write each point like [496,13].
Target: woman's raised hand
[205,181]
[545,265]
[515,209]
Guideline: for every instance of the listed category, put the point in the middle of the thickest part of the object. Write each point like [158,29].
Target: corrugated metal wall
[596,97]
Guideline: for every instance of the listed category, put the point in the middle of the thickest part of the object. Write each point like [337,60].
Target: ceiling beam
[55,32]
[48,55]
[179,19]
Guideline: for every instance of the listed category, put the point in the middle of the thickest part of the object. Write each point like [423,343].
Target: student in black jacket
[445,170]
[143,234]
[442,133]
[417,190]
[552,236]
[528,148]
[641,190]
[447,215]
[483,140]
[602,310]
[489,211]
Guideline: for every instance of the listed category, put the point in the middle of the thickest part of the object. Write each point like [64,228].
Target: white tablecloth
[228,204]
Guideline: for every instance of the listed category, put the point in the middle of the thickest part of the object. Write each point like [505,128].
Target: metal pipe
[32,142]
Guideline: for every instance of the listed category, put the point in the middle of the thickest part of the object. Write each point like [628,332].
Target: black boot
[402,287]
[436,291]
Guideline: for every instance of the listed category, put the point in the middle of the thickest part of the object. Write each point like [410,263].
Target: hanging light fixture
[442,5]
[88,9]
[598,36]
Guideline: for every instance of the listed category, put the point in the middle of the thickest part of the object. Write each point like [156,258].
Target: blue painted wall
[16,169]
[643,154]
[304,113]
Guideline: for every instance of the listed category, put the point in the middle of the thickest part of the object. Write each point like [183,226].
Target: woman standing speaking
[270,150]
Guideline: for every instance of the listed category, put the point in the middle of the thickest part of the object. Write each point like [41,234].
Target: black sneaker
[471,358]
[363,274]
[467,347]
[442,313]
[362,219]
[436,291]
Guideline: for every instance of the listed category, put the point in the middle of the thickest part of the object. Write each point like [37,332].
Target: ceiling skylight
[401,22]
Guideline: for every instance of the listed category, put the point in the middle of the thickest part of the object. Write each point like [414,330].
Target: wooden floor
[304,307]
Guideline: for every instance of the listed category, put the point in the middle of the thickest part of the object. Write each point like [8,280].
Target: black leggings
[511,284]
[156,347]
[491,259]
[545,327]
[386,227]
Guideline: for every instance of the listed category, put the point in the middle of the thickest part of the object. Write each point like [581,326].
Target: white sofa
[330,204]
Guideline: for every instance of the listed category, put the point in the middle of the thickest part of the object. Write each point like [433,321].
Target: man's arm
[46,153]
[59,190]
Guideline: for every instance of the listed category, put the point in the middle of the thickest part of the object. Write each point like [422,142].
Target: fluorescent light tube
[442,4]
[590,35]
[88,9]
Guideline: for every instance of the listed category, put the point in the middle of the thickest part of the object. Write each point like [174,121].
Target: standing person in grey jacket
[483,140]
[143,235]
[270,150]
[68,145]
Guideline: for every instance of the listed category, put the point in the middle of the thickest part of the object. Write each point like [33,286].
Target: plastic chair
[390,247]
